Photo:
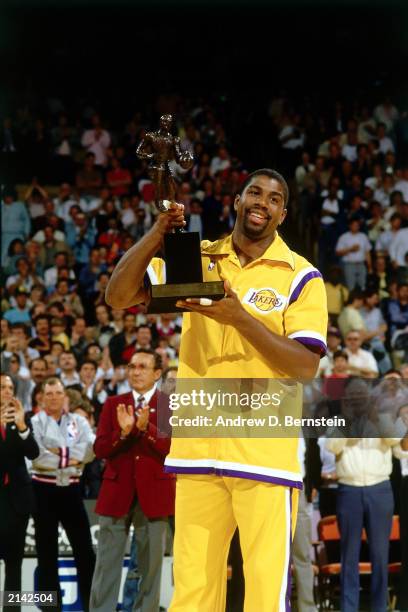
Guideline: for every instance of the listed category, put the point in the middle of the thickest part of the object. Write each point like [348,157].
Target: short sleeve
[367,244]
[341,243]
[155,273]
[305,318]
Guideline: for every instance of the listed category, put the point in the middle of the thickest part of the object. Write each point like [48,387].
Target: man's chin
[254,231]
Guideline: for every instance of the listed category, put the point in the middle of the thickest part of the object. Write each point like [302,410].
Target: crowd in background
[77,198]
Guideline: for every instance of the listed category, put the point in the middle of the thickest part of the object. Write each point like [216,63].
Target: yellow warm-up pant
[208,510]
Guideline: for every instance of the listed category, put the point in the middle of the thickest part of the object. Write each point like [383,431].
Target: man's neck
[55,415]
[247,249]
[144,390]
[69,373]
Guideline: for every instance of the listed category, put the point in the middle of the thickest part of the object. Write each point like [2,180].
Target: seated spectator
[98,297]
[81,237]
[56,349]
[79,340]
[361,362]
[89,273]
[169,378]
[119,383]
[59,331]
[375,329]
[339,371]
[15,221]
[386,237]
[42,339]
[32,249]
[36,399]
[379,279]
[64,201]
[48,232]
[337,293]
[68,297]
[396,206]
[52,274]
[52,363]
[23,279]
[124,341]
[50,246]
[401,184]
[390,393]
[117,319]
[119,179]
[212,211]
[220,162]
[34,197]
[112,239]
[398,250]
[195,223]
[18,342]
[21,312]
[354,249]
[90,385]
[96,140]
[350,317]
[357,209]
[15,251]
[376,224]
[127,214]
[397,310]
[68,369]
[5,332]
[385,143]
[38,296]
[104,330]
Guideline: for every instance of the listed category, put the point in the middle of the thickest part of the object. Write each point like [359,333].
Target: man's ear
[236,202]
[283,215]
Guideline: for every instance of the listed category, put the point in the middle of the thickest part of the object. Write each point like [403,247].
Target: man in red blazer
[135,489]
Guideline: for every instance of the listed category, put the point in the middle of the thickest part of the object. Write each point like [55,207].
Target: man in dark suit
[16,496]
[135,488]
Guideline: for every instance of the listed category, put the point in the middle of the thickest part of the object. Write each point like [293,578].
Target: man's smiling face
[261,207]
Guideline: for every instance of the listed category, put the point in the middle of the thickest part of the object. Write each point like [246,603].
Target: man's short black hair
[158,363]
[273,174]
[340,353]
[22,326]
[41,316]
[89,362]
[36,360]
[143,326]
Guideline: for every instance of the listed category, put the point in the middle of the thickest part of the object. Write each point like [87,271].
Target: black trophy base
[164,297]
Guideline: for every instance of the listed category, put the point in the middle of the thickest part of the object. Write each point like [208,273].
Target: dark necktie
[140,403]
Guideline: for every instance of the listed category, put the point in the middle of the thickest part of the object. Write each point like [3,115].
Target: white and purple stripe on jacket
[305,336]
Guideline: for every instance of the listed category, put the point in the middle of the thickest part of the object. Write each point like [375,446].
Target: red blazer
[133,465]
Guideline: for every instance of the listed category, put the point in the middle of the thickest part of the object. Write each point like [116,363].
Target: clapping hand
[126,418]
[142,418]
[13,412]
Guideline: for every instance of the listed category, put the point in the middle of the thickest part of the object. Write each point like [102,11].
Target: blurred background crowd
[74,198]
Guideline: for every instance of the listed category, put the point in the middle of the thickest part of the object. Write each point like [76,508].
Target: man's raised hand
[126,418]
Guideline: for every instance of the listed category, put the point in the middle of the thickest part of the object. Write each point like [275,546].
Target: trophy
[182,253]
